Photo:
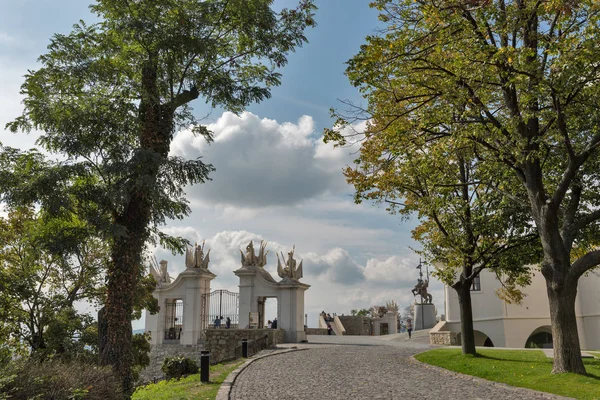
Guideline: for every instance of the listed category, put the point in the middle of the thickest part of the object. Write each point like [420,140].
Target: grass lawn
[529,369]
[189,387]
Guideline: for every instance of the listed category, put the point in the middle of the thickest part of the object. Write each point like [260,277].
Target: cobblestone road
[360,368]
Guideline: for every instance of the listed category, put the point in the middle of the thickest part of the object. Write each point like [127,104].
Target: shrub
[60,380]
[140,345]
[176,367]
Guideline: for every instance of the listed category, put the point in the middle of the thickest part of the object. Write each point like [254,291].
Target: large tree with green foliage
[466,224]
[519,81]
[110,96]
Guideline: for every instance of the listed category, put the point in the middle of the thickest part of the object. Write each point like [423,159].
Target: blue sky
[275,178]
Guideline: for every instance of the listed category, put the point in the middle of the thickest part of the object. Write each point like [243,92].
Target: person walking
[409,327]
[274,323]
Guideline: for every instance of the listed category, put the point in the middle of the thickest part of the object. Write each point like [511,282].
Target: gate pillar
[291,311]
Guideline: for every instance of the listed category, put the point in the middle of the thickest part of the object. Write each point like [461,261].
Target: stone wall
[161,351]
[447,338]
[222,342]
[315,331]
[356,325]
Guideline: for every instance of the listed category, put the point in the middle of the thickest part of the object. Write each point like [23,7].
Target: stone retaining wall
[315,331]
[447,338]
[161,351]
[222,342]
[356,325]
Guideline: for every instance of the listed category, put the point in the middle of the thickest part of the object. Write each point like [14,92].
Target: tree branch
[584,263]
[584,221]
[185,97]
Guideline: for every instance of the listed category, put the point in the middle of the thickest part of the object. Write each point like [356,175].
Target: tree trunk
[123,276]
[156,126]
[565,339]
[560,286]
[466,318]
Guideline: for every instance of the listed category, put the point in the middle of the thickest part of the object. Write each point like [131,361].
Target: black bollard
[245,348]
[204,366]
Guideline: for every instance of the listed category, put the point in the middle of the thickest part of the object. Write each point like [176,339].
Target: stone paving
[359,367]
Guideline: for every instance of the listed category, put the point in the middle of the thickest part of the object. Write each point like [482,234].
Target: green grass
[189,387]
[529,369]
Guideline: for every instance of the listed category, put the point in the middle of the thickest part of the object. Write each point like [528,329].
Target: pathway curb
[476,379]
[227,385]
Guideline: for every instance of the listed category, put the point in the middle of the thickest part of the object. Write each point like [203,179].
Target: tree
[518,81]
[392,306]
[47,266]
[378,311]
[408,312]
[361,313]
[110,96]
[466,225]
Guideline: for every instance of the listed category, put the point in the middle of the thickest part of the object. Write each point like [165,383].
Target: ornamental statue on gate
[289,271]
[195,257]
[160,274]
[252,260]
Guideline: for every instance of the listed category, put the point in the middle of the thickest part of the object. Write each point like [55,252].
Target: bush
[59,380]
[140,345]
[176,367]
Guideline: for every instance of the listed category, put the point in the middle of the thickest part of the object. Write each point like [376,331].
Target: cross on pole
[420,268]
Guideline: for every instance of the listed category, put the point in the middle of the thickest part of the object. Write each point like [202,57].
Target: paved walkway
[359,367]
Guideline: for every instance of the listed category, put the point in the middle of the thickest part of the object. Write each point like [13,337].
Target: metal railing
[173,320]
[220,309]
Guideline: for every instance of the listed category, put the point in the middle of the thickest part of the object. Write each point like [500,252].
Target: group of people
[218,322]
[327,317]
[272,324]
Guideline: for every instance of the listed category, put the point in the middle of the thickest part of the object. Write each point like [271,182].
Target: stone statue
[162,274]
[250,259]
[195,258]
[421,289]
[289,271]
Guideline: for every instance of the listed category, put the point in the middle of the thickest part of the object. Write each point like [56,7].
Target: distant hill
[138,331]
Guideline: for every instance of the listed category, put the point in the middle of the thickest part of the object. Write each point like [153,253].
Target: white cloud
[335,267]
[5,38]
[262,163]
[394,269]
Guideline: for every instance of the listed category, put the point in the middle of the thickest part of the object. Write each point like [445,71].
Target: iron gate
[220,309]
[174,320]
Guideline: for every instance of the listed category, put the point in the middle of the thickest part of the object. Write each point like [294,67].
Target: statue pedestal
[424,316]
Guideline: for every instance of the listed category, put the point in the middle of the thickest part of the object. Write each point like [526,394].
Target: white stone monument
[256,284]
[180,301]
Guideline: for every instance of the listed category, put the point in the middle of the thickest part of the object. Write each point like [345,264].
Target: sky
[275,179]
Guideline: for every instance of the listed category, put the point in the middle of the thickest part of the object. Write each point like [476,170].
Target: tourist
[228,323]
[274,324]
[329,329]
[269,324]
[218,322]
[409,327]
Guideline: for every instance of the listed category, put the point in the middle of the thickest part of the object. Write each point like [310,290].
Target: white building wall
[510,325]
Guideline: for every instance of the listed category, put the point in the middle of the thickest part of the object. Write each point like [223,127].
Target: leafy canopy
[89,101]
